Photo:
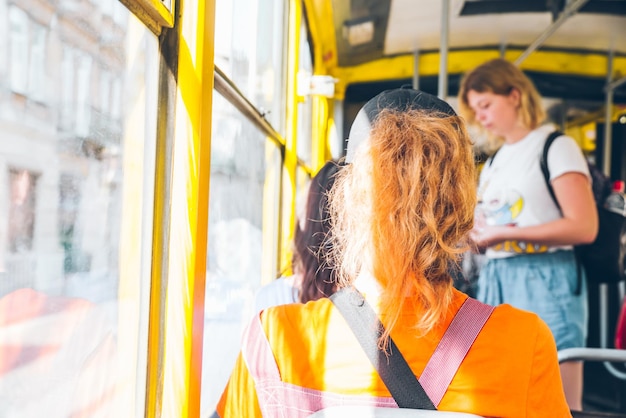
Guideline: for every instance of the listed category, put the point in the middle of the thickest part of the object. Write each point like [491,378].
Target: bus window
[249,49]
[305,102]
[235,240]
[245,184]
[77,158]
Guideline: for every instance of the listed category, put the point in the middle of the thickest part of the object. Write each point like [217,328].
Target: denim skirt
[545,284]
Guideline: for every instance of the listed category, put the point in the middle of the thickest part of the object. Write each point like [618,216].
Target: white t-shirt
[279,292]
[512,189]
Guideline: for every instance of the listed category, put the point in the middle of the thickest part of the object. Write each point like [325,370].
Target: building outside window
[28,55]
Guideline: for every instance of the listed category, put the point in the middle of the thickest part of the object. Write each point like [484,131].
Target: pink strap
[257,353]
[453,348]
[435,379]
[280,399]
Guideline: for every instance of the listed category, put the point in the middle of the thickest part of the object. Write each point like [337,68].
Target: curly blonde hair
[403,211]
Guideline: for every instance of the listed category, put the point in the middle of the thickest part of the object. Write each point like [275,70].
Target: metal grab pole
[608,117]
[443,48]
[416,70]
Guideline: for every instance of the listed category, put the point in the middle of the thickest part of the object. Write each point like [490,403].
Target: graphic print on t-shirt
[502,208]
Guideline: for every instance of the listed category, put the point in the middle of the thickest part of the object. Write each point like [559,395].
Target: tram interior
[97,192]
[577,92]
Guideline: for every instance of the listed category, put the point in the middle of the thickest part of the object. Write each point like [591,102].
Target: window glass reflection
[235,241]
[250,48]
[305,104]
[78,117]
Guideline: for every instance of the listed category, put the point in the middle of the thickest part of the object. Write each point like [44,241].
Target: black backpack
[603,259]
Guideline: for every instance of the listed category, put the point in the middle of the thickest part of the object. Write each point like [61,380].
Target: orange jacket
[510,371]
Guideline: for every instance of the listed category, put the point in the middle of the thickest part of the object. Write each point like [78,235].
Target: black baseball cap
[400,99]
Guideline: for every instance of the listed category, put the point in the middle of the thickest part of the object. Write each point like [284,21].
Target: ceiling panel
[416,26]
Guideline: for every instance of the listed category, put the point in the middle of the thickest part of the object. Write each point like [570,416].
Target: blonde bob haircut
[403,209]
[501,77]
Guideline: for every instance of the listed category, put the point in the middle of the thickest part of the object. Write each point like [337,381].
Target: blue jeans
[543,284]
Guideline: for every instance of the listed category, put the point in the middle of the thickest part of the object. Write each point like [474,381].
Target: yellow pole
[181,213]
[291,157]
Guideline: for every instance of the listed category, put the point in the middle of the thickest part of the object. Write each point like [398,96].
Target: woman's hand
[488,236]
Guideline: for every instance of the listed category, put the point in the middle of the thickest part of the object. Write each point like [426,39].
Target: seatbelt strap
[405,388]
[392,367]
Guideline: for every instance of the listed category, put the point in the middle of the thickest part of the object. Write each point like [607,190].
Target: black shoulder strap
[490,160]
[544,164]
[392,367]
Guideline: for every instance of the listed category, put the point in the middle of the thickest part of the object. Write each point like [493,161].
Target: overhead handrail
[569,10]
[230,92]
[615,84]
[234,96]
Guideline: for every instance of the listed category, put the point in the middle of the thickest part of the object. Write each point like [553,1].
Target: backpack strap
[543,162]
[490,159]
[409,392]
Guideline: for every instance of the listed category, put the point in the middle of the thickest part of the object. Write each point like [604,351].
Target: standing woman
[528,240]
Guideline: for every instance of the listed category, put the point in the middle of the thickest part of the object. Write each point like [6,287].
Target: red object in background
[620,332]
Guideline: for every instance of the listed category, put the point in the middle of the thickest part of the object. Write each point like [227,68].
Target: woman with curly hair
[401,212]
